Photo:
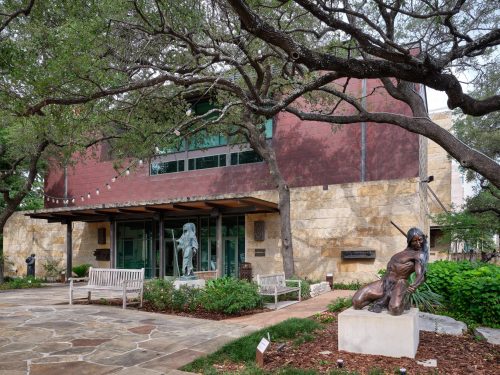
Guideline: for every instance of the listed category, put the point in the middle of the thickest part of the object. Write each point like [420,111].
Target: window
[245,157]
[213,161]
[167,167]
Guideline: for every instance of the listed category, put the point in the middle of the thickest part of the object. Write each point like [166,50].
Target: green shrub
[185,298]
[340,304]
[440,275]
[354,285]
[305,289]
[22,283]
[230,296]
[424,298]
[82,270]
[159,293]
[476,294]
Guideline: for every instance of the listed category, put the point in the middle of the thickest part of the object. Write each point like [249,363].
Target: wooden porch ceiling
[210,207]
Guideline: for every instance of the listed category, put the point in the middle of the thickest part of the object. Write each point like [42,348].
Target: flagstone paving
[40,334]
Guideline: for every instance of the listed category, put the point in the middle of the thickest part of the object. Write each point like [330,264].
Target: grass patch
[354,285]
[243,350]
[340,304]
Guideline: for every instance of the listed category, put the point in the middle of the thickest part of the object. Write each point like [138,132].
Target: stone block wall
[24,236]
[325,221]
[343,217]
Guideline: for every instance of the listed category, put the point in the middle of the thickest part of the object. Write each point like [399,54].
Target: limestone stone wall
[343,217]
[24,236]
[325,221]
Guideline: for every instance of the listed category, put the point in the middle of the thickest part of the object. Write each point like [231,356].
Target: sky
[436,100]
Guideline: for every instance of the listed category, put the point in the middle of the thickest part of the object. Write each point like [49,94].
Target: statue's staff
[177,272]
[398,228]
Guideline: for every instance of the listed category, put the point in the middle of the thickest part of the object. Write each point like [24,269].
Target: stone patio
[40,334]
[38,337]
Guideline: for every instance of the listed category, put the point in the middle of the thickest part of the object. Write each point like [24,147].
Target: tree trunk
[265,150]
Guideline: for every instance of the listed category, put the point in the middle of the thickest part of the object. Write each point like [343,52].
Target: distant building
[448,187]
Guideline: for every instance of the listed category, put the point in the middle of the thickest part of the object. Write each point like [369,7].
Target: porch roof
[199,206]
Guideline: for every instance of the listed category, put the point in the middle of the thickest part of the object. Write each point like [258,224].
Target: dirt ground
[454,354]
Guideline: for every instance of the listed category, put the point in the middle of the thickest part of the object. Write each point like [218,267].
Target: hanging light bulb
[97,192]
[127,172]
[82,198]
[88,195]
[57,201]
[157,150]
[108,186]
[73,200]
[141,163]
[189,112]
[53,200]
[177,132]
[113,179]
[48,199]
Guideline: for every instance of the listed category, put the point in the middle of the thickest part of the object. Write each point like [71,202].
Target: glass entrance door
[230,251]
[135,246]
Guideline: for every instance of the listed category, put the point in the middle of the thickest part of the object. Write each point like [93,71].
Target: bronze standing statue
[389,292]
[189,245]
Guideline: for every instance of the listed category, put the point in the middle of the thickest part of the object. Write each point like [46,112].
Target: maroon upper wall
[309,153]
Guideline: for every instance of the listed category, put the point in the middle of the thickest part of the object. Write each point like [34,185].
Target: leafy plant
[440,275]
[82,270]
[476,293]
[185,298]
[22,283]
[424,298]
[52,267]
[340,304]
[353,285]
[230,296]
[305,288]
[159,293]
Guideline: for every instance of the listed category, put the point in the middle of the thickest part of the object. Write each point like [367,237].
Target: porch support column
[218,247]
[112,242]
[161,238]
[69,249]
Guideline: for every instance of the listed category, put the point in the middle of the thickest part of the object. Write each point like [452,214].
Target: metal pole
[218,247]
[112,243]
[162,248]
[69,249]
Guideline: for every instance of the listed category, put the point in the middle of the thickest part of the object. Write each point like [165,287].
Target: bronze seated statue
[390,291]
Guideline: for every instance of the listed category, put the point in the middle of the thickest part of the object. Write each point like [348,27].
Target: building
[446,191]
[347,185]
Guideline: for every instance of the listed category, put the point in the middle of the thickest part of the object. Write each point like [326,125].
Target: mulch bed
[199,313]
[454,354]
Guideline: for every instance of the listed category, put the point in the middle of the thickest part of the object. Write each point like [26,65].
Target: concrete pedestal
[362,331]
[198,283]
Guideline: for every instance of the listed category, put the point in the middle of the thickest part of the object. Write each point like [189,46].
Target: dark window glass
[166,167]
[234,158]
[207,162]
[222,160]
[249,157]
[191,164]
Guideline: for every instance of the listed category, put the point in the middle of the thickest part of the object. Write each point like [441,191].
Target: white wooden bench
[275,285]
[111,279]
